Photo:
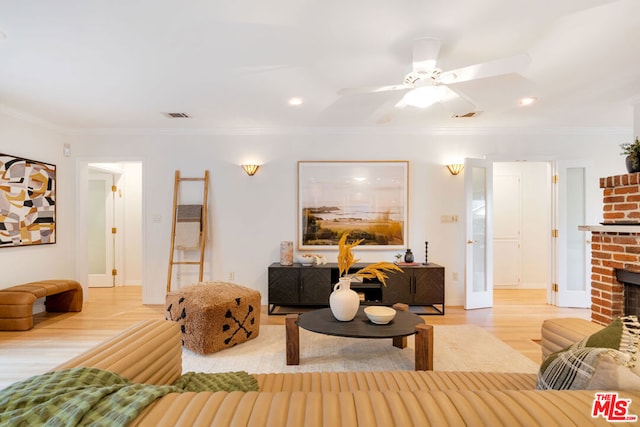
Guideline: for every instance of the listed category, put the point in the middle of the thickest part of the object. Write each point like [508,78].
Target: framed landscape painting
[27,202]
[368,199]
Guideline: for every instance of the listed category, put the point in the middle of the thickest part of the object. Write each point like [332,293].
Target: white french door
[574,206]
[101,221]
[507,226]
[478,184]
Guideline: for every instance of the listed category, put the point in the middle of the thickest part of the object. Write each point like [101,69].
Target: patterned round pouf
[214,315]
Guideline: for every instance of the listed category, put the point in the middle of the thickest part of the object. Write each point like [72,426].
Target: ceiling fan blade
[425,54]
[511,64]
[387,112]
[372,89]
[456,102]
[400,104]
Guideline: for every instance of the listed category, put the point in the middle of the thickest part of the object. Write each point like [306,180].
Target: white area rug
[17,364]
[456,348]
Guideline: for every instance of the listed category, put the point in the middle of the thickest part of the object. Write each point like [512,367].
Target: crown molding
[324,130]
[21,115]
[348,130]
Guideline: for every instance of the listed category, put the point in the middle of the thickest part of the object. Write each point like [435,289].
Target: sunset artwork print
[27,202]
[367,199]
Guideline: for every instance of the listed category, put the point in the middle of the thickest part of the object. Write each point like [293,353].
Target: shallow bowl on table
[380,315]
[305,260]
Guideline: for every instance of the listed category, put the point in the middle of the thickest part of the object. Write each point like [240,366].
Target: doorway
[522,222]
[110,214]
[536,221]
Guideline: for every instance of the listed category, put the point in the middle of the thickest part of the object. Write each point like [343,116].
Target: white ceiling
[103,64]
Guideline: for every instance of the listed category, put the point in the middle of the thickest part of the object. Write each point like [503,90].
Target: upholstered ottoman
[214,315]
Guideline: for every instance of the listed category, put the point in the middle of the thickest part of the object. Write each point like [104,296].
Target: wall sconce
[455,168]
[250,169]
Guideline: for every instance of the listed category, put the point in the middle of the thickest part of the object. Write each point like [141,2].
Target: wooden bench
[16,302]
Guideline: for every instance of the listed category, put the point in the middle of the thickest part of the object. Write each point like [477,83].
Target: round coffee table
[404,324]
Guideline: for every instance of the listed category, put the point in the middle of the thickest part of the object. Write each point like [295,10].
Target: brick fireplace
[615,246]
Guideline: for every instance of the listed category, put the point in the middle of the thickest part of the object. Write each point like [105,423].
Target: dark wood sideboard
[297,286]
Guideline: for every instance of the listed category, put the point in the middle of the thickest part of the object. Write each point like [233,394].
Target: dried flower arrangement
[346,260]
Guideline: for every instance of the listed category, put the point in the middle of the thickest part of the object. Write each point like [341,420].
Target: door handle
[469,242]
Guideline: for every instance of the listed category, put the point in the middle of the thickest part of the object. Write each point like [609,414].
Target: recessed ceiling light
[527,100]
[295,101]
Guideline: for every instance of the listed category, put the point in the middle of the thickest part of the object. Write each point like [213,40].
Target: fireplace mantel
[611,228]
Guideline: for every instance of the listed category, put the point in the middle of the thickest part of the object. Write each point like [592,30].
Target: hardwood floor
[515,319]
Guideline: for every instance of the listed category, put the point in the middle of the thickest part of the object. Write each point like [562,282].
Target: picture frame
[369,199]
[27,202]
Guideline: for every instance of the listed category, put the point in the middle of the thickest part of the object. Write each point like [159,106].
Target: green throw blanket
[90,396]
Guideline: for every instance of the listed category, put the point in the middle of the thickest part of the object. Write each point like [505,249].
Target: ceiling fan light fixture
[423,97]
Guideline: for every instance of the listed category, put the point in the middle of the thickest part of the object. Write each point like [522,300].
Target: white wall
[636,122]
[251,215]
[26,138]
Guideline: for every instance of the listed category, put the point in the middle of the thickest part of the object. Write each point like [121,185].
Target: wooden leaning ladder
[203,226]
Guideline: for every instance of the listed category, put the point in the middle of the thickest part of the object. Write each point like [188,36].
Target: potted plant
[398,257]
[632,151]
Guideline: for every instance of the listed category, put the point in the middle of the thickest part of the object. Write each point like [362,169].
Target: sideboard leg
[292,334]
[424,348]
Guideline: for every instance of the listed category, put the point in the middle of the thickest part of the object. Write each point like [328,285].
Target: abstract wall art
[27,202]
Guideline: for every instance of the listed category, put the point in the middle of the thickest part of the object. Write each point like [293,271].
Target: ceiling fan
[426,84]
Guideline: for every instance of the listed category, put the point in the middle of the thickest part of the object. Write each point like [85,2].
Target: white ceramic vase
[343,301]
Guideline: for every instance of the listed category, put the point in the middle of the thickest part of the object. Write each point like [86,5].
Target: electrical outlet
[232,276]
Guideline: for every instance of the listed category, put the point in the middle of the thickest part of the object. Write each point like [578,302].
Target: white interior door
[478,183]
[507,221]
[573,198]
[101,219]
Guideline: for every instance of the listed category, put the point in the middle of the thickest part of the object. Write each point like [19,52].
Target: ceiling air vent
[177,115]
[469,114]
